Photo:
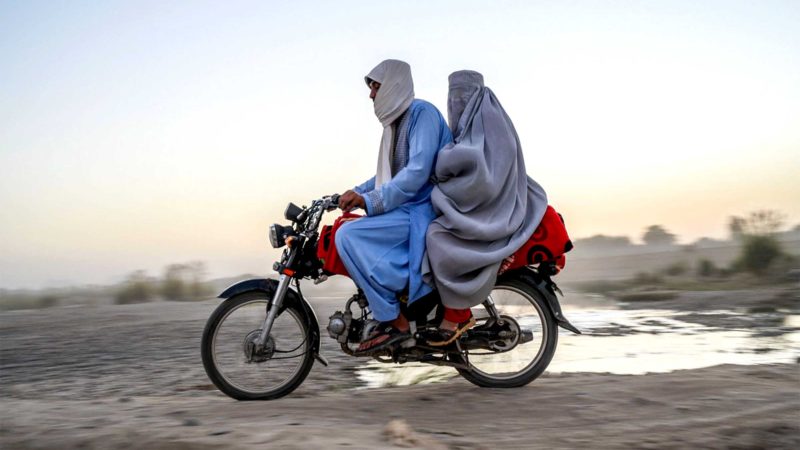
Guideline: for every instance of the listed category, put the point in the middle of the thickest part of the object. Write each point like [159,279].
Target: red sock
[457,315]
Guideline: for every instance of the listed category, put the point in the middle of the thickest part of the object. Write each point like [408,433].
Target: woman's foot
[449,331]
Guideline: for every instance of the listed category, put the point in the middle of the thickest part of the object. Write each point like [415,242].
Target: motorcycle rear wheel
[269,375]
[526,361]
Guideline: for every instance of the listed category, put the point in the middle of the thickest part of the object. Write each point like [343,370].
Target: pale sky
[141,133]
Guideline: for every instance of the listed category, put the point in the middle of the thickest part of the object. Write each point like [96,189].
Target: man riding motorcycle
[383,252]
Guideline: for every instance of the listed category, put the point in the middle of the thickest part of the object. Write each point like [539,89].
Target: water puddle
[641,341]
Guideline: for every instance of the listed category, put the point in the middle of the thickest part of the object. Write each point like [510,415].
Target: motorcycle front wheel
[527,355]
[239,368]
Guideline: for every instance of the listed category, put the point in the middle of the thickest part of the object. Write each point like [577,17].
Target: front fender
[292,298]
[255,284]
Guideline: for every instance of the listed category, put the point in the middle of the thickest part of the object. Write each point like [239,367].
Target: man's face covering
[396,89]
[391,98]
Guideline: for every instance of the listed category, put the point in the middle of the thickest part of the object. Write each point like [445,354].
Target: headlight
[277,235]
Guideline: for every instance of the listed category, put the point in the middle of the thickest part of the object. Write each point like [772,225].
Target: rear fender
[544,286]
[268,286]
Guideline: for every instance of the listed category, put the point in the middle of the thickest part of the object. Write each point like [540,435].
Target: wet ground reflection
[642,341]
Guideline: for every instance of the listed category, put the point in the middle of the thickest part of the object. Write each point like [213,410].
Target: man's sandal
[383,337]
[441,337]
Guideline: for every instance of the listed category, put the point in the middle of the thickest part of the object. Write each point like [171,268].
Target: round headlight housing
[277,235]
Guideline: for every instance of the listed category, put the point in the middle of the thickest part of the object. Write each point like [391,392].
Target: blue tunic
[383,252]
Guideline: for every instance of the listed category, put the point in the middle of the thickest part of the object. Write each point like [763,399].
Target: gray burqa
[487,205]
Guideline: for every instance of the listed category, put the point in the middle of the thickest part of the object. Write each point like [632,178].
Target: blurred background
[146,146]
[138,135]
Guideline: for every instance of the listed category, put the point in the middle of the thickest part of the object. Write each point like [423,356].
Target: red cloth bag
[326,247]
[548,243]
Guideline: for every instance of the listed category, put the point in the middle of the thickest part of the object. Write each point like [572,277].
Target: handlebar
[334,201]
[312,215]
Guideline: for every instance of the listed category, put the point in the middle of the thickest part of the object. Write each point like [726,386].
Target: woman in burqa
[487,206]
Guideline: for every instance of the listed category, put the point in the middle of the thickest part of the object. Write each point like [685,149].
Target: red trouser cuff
[457,315]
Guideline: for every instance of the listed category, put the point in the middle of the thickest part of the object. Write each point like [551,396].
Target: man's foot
[382,337]
[445,336]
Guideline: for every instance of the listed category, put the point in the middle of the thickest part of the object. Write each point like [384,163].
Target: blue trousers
[375,252]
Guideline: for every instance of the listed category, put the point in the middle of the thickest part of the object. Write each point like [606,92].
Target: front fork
[274,307]
[280,293]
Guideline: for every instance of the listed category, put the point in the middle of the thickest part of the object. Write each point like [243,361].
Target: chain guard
[495,336]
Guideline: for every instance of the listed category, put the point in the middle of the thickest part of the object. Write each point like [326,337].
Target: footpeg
[408,343]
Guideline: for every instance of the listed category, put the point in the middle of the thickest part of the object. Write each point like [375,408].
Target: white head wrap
[392,100]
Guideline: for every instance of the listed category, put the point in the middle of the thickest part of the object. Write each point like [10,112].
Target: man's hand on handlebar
[350,200]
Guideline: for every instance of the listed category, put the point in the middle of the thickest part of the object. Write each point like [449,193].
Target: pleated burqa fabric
[487,205]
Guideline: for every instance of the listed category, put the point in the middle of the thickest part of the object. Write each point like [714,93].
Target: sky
[142,133]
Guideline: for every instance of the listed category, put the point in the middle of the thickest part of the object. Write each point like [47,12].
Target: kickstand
[464,354]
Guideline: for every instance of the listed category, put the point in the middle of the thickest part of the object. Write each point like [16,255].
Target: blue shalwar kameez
[383,252]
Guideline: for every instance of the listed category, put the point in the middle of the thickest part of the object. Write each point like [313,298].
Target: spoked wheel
[521,346]
[242,369]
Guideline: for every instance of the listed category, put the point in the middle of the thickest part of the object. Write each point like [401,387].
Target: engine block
[339,326]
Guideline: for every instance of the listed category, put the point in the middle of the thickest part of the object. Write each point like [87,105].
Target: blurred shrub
[676,269]
[658,235]
[47,301]
[758,223]
[760,247]
[643,278]
[137,288]
[16,300]
[185,282]
[758,254]
[706,268]
[173,287]
[200,290]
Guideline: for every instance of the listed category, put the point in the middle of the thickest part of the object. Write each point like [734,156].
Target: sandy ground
[131,377]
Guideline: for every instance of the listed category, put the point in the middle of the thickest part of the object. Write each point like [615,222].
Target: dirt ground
[131,377]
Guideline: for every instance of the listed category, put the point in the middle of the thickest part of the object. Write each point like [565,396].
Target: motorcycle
[262,340]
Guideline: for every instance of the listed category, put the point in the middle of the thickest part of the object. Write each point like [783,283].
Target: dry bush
[137,288]
[676,269]
[185,282]
[16,300]
[646,278]
[706,268]
[758,254]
